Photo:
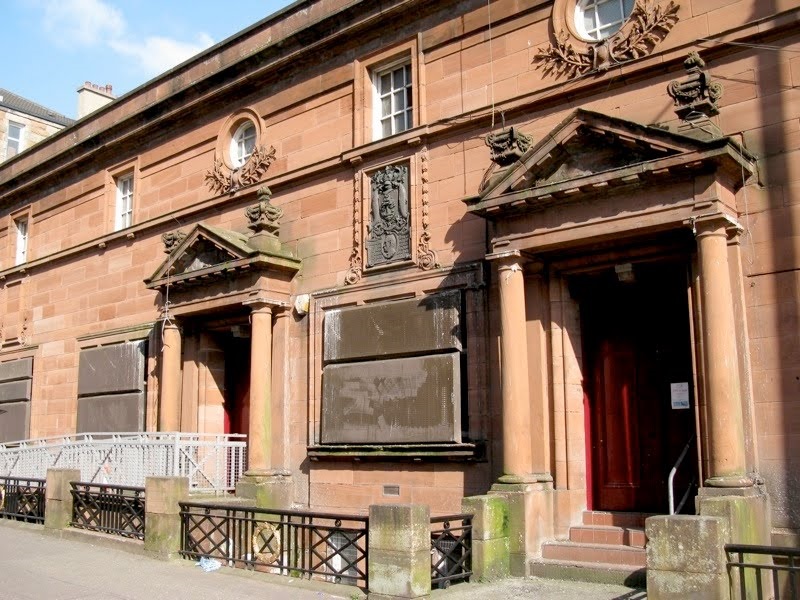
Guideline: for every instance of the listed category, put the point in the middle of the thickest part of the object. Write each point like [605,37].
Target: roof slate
[16,102]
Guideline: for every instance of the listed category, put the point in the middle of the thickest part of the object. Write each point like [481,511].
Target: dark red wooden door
[636,340]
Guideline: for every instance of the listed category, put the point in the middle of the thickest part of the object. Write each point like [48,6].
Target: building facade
[24,123]
[421,250]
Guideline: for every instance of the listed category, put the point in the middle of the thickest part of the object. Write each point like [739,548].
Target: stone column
[163,514]
[170,413]
[490,536]
[517,459]
[58,497]
[259,439]
[686,557]
[268,486]
[399,551]
[724,426]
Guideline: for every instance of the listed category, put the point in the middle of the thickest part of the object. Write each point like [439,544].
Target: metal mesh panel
[213,463]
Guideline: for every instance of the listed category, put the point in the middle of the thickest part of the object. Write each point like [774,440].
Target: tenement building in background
[24,123]
[420,250]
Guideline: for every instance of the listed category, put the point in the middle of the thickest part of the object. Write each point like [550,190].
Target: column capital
[263,304]
[715,224]
[507,259]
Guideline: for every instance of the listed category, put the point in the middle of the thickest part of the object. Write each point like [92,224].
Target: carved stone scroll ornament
[172,240]
[264,216]
[353,275]
[648,25]
[426,256]
[222,180]
[696,95]
[389,229]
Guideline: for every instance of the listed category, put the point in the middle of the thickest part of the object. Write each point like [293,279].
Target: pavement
[74,565]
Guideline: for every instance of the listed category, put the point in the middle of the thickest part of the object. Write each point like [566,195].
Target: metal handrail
[671,478]
[212,462]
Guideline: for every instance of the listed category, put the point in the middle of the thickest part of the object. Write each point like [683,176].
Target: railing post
[162,534]
[58,497]
[490,543]
[399,551]
[698,569]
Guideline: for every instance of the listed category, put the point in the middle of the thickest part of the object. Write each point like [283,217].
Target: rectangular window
[22,241]
[393,101]
[124,205]
[14,140]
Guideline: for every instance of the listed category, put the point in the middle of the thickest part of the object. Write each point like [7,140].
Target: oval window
[600,19]
[243,142]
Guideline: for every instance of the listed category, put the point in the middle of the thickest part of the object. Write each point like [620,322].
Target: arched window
[600,19]
[243,142]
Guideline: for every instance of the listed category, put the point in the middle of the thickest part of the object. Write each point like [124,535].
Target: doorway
[237,382]
[638,389]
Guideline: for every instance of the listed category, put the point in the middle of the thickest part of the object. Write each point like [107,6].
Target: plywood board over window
[15,399]
[111,387]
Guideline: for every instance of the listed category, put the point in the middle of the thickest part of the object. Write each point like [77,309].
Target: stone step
[608,534]
[633,577]
[615,519]
[593,553]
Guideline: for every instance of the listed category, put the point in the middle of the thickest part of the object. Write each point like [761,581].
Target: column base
[730,481]
[525,479]
[531,515]
[747,513]
[269,489]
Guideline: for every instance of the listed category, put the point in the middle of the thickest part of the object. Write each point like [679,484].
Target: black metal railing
[764,572]
[22,499]
[451,549]
[115,509]
[330,546]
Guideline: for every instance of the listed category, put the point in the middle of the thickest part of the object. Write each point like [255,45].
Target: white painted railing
[213,463]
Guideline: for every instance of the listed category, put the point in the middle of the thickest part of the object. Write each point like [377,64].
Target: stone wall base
[530,521]
[267,491]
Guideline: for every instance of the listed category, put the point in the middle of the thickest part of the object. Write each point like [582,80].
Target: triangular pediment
[207,252]
[590,152]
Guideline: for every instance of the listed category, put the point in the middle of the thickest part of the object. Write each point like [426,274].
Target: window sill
[467,452]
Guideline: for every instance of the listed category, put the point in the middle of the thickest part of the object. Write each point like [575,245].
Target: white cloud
[98,23]
[84,22]
[158,54]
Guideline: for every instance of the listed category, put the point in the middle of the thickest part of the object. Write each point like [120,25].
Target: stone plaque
[415,326]
[109,369]
[14,417]
[118,412]
[394,401]
[389,227]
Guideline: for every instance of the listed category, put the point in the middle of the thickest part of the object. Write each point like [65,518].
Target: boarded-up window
[15,399]
[111,388]
[393,372]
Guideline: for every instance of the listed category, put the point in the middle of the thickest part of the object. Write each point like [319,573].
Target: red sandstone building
[423,250]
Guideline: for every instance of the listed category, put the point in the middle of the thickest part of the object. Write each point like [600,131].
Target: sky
[49,48]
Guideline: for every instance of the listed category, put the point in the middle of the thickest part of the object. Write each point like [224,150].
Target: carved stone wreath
[266,543]
[222,180]
[570,56]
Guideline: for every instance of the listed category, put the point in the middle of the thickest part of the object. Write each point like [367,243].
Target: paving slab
[36,565]
[75,565]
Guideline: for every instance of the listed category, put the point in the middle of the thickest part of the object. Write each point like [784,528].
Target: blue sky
[50,47]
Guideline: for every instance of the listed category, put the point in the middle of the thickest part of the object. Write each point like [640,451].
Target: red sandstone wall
[83,278]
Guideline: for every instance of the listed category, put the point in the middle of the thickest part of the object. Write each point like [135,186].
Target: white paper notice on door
[679,392]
